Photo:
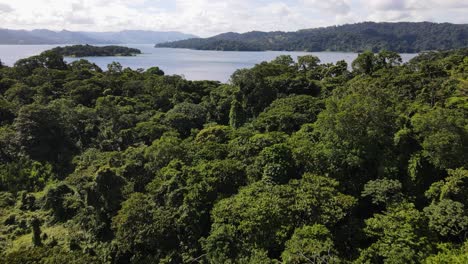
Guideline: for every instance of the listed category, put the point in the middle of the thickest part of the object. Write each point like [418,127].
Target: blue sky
[210,17]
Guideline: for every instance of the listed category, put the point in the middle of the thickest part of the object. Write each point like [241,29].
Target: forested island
[95,51]
[290,162]
[402,37]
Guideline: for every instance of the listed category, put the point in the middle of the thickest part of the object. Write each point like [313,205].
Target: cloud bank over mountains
[210,17]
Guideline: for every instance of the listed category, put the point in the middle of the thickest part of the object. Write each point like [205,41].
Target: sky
[210,17]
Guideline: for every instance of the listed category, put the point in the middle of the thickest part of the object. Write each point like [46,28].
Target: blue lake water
[192,64]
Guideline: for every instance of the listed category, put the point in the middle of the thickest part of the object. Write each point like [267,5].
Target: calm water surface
[193,64]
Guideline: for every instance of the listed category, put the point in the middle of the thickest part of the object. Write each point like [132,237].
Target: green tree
[236,115]
[276,164]
[263,216]
[53,60]
[155,71]
[25,174]
[186,116]
[350,136]
[42,134]
[308,62]
[114,68]
[364,63]
[449,254]
[164,150]
[448,218]
[219,134]
[63,201]
[285,60]
[310,244]
[383,191]
[288,114]
[20,94]
[399,235]
[443,137]
[36,232]
[447,214]
[454,187]
[144,231]
[388,59]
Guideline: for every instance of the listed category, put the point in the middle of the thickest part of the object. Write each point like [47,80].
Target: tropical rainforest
[95,51]
[292,161]
[399,37]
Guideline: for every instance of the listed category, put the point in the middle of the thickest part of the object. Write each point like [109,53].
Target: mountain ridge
[46,36]
[400,37]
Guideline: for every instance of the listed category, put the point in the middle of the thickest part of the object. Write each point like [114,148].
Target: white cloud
[446,3]
[333,6]
[209,17]
[390,16]
[389,5]
[416,10]
[4,8]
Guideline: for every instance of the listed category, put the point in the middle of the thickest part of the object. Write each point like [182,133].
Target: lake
[193,64]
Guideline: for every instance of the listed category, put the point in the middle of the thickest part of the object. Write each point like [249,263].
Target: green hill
[402,37]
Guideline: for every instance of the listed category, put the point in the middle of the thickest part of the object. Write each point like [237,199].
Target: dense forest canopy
[289,162]
[95,51]
[404,37]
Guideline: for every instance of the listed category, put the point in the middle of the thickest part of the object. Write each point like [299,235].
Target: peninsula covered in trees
[403,37]
[95,51]
[290,162]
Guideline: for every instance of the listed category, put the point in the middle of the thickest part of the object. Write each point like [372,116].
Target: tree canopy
[95,51]
[289,162]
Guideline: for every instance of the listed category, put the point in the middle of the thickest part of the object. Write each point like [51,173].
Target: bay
[192,64]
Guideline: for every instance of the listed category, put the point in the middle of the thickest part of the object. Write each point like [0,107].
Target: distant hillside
[44,36]
[400,37]
[138,36]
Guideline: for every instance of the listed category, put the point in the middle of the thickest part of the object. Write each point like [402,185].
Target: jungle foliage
[289,162]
